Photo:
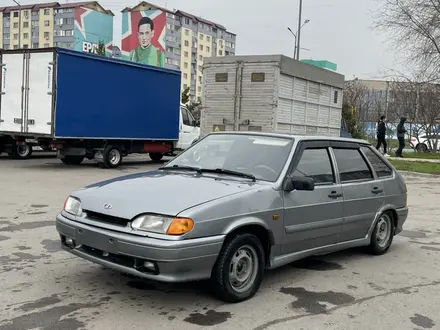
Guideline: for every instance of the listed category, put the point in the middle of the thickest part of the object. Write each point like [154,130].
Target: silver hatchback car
[235,204]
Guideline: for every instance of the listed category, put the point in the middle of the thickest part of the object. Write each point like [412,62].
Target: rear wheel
[421,147]
[72,160]
[21,151]
[239,270]
[383,234]
[112,156]
[156,157]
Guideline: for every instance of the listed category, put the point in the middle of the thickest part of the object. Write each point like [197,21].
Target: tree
[349,117]
[100,50]
[195,109]
[185,95]
[414,29]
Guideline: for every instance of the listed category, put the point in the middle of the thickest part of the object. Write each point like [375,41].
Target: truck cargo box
[59,93]
[272,93]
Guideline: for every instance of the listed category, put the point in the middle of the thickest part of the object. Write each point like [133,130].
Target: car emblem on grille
[107,206]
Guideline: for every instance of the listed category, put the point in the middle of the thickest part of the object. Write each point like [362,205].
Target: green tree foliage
[349,116]
[100,50]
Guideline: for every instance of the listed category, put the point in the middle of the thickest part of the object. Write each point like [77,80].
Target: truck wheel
[239,270]
[23,151]
[72,160]
[112,156]
[156,157]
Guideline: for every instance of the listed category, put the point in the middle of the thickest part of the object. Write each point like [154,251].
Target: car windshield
[258,156]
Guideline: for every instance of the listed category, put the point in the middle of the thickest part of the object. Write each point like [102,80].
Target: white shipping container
[271,93]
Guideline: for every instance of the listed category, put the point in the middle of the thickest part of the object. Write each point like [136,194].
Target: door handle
[334,194]
[376,190]
[186,132]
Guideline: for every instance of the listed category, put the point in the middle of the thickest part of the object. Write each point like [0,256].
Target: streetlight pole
[19,23]
[296,35]
[299,29]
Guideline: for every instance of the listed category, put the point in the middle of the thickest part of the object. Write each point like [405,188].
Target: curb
[426,175]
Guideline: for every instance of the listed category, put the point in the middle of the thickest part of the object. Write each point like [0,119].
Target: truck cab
[189,129]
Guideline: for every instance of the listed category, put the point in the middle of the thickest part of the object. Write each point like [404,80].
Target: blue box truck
[90,106]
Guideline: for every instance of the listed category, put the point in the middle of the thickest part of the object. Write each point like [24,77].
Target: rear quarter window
[352,165]
[379,166]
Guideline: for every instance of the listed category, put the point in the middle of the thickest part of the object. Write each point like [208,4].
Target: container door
[11,97]
[40,97]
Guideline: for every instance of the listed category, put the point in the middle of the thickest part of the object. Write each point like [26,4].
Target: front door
[363,195]
[313,218]
[188,132]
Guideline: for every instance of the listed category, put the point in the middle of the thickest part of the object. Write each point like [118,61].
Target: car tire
[241,250]
[21,151]
[382,235]
[72,160]
[155,157]
[421,147]
[112,156]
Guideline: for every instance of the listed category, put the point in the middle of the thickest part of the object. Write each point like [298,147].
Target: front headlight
[162,224]
[72,205]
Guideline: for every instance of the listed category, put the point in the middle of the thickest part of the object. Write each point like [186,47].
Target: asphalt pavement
[43,287]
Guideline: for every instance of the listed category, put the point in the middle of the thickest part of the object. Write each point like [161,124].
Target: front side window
[315,164]
[261,156]
[351,165]
[379,166]
[185,118]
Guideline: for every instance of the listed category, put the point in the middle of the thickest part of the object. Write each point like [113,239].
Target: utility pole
[294,35]
[299,29]
[19,24]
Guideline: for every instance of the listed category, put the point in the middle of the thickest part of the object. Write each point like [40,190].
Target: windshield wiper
[229,172]
[183,168]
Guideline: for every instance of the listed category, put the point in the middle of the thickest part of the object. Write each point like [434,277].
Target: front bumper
[174,261]
[402,215]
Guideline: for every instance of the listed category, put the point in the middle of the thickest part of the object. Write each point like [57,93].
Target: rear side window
[381,169]
[351,165]
[316,164]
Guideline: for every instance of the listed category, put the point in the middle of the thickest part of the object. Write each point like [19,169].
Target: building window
[25,24]
[200,68]
[200,58]
[34,23]
[25,35]
[200,79]
[35,34]
[46,23]
[15,46]
[208,49]
[186,32]
[46,35]
[199,89]
[335,97]
[185,65]
[35,45]
[69,33]
[220,42]
[220,52]
[185,76]
[7,24]
[26,13]
[201,47]
[15,14]
[208,38]
[6,36]
[185,54]
[25,46]
[187,21]
[46,45]
[186,43]
[47,11]
[201,36]
[15,26]
[15,36]
[34,13]
[185,86]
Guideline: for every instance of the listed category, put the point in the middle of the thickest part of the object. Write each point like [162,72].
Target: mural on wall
[143,37]
[91,28]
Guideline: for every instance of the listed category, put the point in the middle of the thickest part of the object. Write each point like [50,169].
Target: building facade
[173,39]
[79,26]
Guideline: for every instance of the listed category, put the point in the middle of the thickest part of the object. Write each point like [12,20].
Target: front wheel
[112,156]
[21,151]
[422,147]
[383,234]
[239,270]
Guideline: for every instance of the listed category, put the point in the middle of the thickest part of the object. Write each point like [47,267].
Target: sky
[339,31]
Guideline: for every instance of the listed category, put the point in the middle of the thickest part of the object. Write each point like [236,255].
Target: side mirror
[300,183]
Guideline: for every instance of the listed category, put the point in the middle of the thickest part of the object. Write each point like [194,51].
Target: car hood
[160,192]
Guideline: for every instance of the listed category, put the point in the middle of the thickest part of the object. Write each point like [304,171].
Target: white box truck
[270,93]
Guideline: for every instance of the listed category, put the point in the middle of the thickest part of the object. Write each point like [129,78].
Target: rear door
[363,195]
[313,218]
[40,97]
[11,97]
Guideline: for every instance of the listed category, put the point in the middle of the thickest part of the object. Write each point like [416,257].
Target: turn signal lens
[180,226]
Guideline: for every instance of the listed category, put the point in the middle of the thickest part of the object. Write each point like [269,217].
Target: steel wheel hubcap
[383,230]
[114,156]
[243,268]
[23,150]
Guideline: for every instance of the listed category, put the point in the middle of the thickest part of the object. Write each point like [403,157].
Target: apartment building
[77,25]
[180,41]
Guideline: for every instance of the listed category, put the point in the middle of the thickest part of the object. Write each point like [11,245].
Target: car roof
[295,137]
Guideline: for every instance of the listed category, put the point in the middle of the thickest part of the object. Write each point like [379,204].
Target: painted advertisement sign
[143,37]
[91,28]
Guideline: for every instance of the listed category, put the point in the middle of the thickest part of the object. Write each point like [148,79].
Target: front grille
[106,218]
[114,258]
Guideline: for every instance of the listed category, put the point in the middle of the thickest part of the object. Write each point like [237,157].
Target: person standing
[381,134]
[401,131]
